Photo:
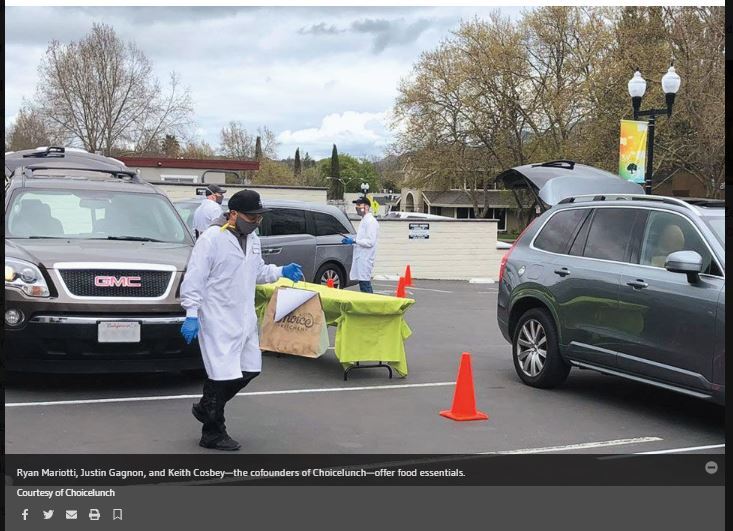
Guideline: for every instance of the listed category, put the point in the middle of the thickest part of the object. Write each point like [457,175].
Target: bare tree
[100,91]
[237,143]
[28,131]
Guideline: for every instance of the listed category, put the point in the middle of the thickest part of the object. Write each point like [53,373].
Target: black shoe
[222,442]
[199,412]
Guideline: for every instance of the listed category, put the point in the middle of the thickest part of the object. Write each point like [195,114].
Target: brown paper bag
[299,333]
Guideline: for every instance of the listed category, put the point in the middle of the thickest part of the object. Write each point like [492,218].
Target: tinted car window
[285,221]
[558,231]
[87,214]
[667,233]
[610,234]
[327,225]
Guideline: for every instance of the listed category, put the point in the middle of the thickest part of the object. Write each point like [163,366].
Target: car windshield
[717,224]
[93,215]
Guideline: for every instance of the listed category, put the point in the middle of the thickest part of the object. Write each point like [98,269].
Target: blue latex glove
[348,240]
[293,272]
[190,329]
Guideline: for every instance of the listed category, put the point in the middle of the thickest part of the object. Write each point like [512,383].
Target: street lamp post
[637,87]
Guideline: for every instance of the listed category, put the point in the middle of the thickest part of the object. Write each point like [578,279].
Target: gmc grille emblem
[117,282]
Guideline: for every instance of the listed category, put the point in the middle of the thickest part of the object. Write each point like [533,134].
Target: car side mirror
[688,262]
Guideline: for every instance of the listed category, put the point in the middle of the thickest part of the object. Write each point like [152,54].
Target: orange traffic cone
[408,276]
[400,288]
[464,399]
[329,283]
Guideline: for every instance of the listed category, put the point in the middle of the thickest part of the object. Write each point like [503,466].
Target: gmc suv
[628,285]
[93,262]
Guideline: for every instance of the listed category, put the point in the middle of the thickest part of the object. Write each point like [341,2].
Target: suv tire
[536,352]
[331,270]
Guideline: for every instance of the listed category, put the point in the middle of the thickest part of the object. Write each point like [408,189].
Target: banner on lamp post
[632,150]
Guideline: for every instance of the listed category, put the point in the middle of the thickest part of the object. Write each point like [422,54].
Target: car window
[558,231]
[86,214]
[610,234]
[578,244]
[186,210]
[284,221]
[666,233]
[327,225]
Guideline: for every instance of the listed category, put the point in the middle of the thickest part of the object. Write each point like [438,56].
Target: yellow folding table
[369,327]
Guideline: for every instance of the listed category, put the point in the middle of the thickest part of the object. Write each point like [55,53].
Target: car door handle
[637,284]
[563,272]
[272,251]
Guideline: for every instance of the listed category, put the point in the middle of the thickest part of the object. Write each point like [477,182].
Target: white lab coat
[206,214]
[219,289]
[365,249]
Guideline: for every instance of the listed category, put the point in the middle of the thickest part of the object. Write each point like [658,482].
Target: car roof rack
[124,175]
[50,151]
[632,197]
[560,163]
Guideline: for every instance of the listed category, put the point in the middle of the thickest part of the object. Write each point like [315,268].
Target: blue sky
[314,75]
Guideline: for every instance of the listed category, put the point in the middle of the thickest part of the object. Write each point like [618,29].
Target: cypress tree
[297,168]
[337,189]
[258,148]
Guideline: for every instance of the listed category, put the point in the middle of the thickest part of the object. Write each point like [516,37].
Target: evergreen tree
[258,148]
[170,146]
[297,168]
[336,188]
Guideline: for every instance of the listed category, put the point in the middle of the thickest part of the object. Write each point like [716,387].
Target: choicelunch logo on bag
[297,321]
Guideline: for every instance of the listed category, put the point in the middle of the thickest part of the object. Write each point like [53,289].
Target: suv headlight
[26,277]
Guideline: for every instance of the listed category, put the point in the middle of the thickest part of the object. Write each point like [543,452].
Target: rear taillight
[505,258]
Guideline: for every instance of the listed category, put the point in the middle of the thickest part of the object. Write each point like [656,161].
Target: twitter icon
[47,514]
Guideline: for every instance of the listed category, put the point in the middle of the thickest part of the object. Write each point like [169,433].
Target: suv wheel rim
[331,274]
[532,348]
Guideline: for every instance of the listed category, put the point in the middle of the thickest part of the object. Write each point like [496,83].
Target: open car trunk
[548,183]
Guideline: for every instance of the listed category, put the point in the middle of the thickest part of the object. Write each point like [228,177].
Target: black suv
[629,285]
[93,262]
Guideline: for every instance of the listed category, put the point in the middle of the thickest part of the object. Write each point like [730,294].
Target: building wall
[157,174]
[456,250]
[177,192]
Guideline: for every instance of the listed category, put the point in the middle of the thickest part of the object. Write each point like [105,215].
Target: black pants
[216,394]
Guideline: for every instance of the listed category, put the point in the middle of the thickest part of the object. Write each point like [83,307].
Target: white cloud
[356,133]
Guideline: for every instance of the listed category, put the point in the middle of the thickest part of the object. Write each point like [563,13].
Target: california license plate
[118,332]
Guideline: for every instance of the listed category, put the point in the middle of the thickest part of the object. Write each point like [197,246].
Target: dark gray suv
[628,285]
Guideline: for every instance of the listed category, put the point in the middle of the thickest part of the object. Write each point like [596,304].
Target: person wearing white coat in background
[365,246]
[218,292]
[209,210]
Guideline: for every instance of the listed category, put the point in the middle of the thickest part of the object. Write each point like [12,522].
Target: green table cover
[370,327]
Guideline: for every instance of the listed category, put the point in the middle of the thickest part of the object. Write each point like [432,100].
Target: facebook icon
[25,514]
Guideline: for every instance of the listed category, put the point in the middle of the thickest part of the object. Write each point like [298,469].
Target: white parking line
[258,393]
[410,288]
[579,446]
[680,450]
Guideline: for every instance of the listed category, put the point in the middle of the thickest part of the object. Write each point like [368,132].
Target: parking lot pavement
[303,405]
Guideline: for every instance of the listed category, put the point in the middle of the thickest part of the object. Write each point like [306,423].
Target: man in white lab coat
[218,292]
[209,210]
[365,246]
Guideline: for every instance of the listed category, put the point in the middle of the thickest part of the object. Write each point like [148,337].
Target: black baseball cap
[247,202]
[215,189]
[362,201]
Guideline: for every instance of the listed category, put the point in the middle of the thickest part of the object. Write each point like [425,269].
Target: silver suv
[628,285]
[305,233]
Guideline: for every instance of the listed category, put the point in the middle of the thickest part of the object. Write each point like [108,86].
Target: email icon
[71,514]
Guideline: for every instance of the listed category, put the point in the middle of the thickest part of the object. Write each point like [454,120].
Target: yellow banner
[632,151]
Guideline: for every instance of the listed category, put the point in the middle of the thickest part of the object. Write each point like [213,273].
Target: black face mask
[245,227]
[219,199]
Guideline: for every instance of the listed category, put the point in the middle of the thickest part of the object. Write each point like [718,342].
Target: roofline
[243,186]
[191,164]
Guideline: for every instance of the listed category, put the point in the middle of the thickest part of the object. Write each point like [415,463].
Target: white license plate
[118,332]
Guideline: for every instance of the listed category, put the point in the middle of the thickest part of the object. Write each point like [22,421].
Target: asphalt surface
[301,405]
